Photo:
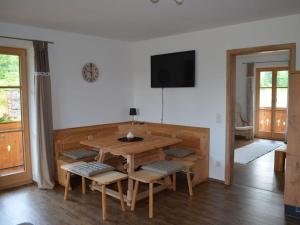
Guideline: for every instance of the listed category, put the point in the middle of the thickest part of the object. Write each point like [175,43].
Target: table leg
[83,184]
[101,156]
[130,169]
[67,183]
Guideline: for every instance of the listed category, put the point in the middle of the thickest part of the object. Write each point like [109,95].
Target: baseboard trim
[16,185]
[216,180]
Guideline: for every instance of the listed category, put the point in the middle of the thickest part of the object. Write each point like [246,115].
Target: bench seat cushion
[164,167]
[179,152]
[80,153]
[90,169]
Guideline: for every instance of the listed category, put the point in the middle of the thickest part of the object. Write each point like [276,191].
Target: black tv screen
[173,70]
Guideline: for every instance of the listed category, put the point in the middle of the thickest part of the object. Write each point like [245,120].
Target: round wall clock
[90,72]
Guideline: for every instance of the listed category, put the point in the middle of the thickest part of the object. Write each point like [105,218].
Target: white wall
[204,105]
[76,102]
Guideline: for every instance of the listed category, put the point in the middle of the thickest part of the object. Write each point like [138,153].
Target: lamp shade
[132,112]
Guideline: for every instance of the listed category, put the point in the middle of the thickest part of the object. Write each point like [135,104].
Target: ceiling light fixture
[178,2]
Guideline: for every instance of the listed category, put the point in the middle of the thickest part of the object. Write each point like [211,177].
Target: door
[271,102]
[15,165]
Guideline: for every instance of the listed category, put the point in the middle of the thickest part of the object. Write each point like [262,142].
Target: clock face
[90,72]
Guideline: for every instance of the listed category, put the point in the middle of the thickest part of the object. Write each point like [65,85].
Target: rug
[250,152]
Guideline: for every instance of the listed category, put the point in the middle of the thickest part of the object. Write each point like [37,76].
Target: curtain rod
[24,39]
[268,61]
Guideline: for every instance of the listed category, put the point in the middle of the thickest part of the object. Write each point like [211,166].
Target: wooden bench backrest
[68,139]
[195,138]
[136,129]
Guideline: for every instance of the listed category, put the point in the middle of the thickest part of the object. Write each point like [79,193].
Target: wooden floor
[212,204]
[259,173]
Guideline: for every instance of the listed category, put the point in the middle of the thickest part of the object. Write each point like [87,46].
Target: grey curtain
[250,79]
[45,156]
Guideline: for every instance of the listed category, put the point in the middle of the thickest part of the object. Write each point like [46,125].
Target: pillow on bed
[80,153]
[179,152]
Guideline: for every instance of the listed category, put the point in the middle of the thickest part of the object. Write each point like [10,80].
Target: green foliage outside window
[9,76]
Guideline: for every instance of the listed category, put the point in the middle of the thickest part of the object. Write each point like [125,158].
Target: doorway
[271,102]
[231,95]
[15,163]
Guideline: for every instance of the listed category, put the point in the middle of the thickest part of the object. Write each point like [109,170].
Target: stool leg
[135,191]
[189,181]
[67,184]
[150,200]
[174,181]
[104,202]
[120,190]
[83,184]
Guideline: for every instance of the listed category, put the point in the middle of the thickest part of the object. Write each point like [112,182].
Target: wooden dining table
[136,153]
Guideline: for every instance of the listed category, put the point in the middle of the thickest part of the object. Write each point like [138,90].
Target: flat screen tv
[173,70]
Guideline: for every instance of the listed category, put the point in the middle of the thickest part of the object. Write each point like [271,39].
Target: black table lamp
[132,112]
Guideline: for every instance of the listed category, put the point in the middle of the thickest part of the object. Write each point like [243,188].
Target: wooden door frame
[230,95]
[257,98]
[26,176]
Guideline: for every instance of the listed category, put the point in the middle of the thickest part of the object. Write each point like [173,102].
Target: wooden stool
[66,168]
[279,159]
[102,179]
[188,171]
[107,178]
[168,167]
[147,177]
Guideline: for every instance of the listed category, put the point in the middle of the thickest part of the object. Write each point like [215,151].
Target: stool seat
[90,169]
[145,176]
[69,165]
[164,167]
[109,177]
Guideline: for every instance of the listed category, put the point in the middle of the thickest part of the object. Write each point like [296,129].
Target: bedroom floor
[260,172]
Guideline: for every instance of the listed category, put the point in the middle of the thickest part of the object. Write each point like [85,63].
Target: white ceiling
[134,20]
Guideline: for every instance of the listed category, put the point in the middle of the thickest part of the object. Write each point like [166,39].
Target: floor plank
[260,172]
[212,204]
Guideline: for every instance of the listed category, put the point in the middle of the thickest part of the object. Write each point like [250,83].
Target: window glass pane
[282,97]
[282,78]
[265,97]
[10,105]
[266,79]
[9,70]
